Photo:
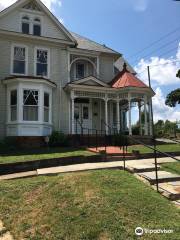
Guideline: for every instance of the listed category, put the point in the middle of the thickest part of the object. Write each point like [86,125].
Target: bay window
[13,105]
[46,107]
[30,105]
[19,60]
[42,57]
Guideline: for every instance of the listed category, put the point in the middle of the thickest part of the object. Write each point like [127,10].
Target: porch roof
[127,79]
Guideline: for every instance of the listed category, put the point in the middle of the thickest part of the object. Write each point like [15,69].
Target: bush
[120,140]
[8,143]
[58,139]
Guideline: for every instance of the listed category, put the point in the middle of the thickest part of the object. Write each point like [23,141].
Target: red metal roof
[127,79]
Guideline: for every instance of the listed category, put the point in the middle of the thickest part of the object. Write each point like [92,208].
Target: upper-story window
[19,60]
[37,27]
[25,25]
[31,25]
[42,56]
[80,70]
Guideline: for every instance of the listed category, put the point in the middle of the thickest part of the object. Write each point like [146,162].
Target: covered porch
[96,106]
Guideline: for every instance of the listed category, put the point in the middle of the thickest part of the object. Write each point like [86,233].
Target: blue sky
[128,26]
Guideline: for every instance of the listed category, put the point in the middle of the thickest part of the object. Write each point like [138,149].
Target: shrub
[120,140]
[58,139]
[8,143]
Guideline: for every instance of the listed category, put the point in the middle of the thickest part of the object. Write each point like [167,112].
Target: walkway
[143,169]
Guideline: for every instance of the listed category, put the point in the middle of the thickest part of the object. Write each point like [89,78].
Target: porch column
[140,119]
[150,117]
[145,116]
[72,112]
[106,113]
[118,115]
[129,105]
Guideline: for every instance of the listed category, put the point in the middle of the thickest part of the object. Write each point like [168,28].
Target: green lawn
[107,204]
[163,148]
[171,167]
[41,154]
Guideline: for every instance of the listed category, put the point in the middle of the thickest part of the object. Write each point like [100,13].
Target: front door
[82,115]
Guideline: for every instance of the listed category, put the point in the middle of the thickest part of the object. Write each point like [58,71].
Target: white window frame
[12,59]
[37,24]
[26,21]
[31,16]
[48,61]
[38,106]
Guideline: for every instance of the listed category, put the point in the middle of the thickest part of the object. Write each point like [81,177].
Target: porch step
[171,190]
[140,168]
[163,177]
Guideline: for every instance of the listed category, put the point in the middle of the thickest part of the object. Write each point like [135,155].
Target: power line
[158,49]
[155,42]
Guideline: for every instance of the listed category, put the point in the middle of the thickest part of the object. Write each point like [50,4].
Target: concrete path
[165,140]
[80,167]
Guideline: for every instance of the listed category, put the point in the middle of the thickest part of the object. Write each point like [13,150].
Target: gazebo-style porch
[101,106]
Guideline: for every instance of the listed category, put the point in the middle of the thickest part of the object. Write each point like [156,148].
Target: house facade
[53,79]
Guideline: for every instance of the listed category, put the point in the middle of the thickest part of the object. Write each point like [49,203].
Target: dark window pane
[41,69]
[80,70]
[19,67]
[14,97]
[46,99]
[85,113]
[37,30]
[25,28]
[30,97]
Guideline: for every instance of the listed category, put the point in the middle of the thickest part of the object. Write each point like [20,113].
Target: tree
[173,97]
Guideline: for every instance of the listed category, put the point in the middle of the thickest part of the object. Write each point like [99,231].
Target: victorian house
[53,79]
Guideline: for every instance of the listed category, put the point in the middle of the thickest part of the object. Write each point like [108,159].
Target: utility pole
[153,133]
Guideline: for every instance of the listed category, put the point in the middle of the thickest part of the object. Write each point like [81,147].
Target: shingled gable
[21,3]
[126,79]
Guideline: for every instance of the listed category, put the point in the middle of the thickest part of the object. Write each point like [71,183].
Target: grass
[173,167]
[102,205]
[163,148]
[41,154]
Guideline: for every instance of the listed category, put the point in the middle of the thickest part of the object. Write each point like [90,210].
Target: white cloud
[162,74]
[48,3]
[140,5]
[161,111]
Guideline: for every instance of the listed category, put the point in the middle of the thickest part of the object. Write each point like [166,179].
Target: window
[37,27]
[42,63]
[46,107]
[30,105]
[13,105]
[25,25]
[19,60]
[80,70]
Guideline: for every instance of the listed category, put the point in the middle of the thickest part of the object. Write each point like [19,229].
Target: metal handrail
[166,154]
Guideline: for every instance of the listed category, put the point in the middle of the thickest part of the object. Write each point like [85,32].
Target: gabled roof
[91,81]
[126,79]
[87,44]
[21,3]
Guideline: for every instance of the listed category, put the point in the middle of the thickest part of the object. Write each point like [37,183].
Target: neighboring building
[52,79]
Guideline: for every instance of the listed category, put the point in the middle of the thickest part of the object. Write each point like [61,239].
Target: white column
[106,114]
[72,112]
[140,120]
[145,116]
[150,117]
[129,105]
[118,116]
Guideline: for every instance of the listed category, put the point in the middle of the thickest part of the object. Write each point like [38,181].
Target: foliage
[166,128]
[173,98]
[8,144]
[120,140]
[58,139]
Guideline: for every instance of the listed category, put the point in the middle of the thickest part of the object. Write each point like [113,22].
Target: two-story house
[51,78]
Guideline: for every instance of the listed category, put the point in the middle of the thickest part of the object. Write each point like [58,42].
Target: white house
[53,79]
